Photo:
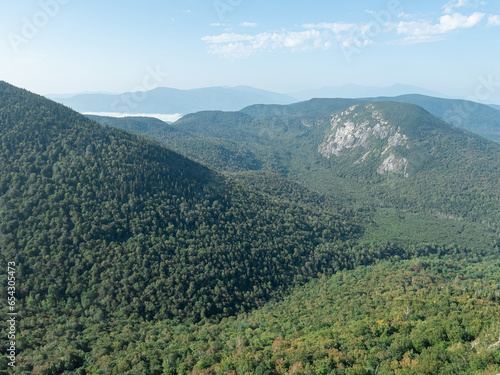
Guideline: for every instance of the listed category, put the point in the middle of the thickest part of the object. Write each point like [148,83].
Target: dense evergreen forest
[134,259]
[449,171]
[429,315]
[102,213]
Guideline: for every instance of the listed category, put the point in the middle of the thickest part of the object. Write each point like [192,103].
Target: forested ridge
[133,259]
[449,171]
[477,118]
[100,220]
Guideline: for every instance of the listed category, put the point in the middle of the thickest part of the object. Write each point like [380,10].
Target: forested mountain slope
[130,123]
[430,315]
[413,158]
[381,153]
[104,223]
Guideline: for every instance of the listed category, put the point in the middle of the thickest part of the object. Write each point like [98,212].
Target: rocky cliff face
[364,126]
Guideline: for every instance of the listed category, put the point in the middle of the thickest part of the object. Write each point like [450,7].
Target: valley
[331,236]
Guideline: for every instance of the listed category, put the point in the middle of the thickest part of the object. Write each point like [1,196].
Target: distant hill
[198,140]
[475,117]
[313,108]
[130,123]
[165,100]
[357,91]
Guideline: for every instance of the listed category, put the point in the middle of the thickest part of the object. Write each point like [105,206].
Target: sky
[70,46]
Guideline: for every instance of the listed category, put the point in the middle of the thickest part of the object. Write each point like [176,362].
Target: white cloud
[312,36]
[217,24]
[452,5]
[456,21]
[349,36]
[455,4]
[302,39]
[227,38]
[336,28]
[494,20]
[237,46]
[248,24]
[422,31]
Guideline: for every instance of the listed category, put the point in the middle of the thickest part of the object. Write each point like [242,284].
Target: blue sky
[69,46]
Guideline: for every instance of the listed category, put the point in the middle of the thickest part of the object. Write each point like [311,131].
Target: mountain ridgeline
[384,153]
[170,101]
[475,117]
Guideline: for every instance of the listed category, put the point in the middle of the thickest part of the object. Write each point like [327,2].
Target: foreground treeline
[431,315]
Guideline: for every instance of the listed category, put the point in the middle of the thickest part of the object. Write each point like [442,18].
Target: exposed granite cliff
[364,126]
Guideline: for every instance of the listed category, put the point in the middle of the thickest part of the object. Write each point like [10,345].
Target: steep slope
[199,139]
[103,223]
[441,163]
[364,127]
[408,131]
[169,101]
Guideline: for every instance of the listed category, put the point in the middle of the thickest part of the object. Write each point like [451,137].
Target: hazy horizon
[61,46]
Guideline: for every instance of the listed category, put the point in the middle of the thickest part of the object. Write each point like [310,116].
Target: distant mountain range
[164,100]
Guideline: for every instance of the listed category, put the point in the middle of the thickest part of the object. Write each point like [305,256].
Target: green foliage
[135,124]
[431,315]
[474,117]
[407,228]
[451,172]
[107,224]
[133,259]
